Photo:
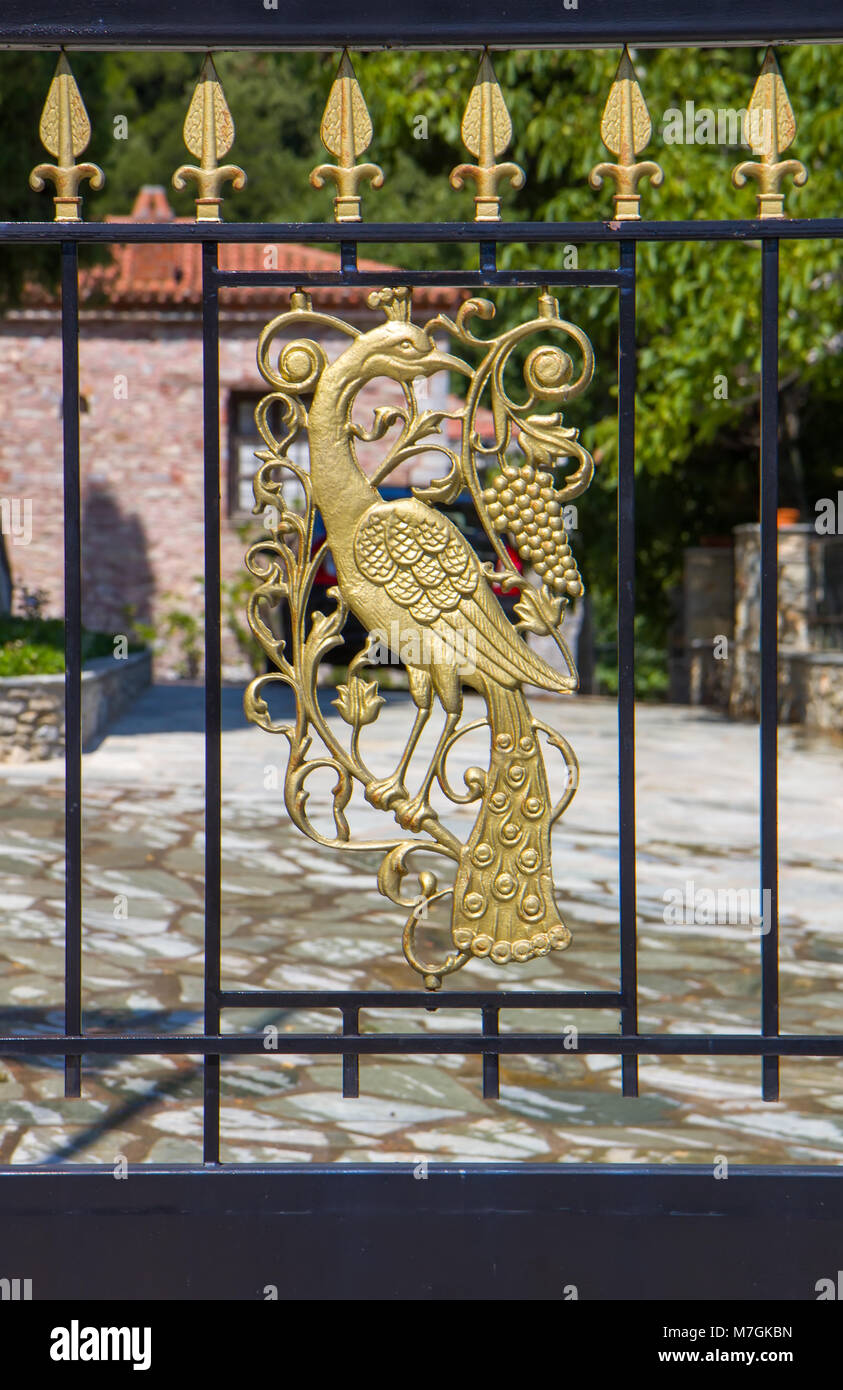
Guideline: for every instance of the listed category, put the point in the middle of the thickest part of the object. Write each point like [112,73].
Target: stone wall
[810,682]
[795,599]
[32,707]
[721,597]
[816,686]
[698,675]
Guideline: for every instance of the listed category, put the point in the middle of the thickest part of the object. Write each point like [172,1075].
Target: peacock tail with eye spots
[503,893]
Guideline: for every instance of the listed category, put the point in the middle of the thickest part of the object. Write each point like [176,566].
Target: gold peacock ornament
[404,569]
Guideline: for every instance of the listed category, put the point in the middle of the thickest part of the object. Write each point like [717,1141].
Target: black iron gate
[509,1231]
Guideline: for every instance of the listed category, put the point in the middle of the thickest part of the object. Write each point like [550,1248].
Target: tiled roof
[160,276]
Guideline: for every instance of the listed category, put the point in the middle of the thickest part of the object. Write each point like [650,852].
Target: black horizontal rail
[438,24]
[417,999]
[442,279]
[532,233]
[429,1044]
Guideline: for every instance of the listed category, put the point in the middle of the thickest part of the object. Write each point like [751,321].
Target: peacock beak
[437,361]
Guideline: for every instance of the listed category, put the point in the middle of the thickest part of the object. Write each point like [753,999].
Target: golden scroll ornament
[403,567]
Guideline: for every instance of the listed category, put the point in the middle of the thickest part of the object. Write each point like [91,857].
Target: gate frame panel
[497,1231]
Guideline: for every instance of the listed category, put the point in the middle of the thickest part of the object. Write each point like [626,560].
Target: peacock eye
[406,345]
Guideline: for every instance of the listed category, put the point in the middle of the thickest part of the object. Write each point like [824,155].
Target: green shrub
[35,646]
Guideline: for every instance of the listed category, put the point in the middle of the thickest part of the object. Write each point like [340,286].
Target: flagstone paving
[298,916]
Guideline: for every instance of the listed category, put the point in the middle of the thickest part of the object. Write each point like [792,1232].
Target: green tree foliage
[24,82]
[277,100]
[698,303]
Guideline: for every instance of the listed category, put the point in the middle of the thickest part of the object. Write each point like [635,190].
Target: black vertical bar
[769,660]
[350,1060]
[626,662]
[73,661]
[488,253]
[491,1060]
[348,257]
[213,672]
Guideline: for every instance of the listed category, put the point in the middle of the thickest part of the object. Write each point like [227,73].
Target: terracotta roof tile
[161,276]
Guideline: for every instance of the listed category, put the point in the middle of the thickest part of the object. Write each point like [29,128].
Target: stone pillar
[707,614]
[796,597]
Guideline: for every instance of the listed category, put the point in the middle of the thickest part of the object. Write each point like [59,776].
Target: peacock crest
[396,303]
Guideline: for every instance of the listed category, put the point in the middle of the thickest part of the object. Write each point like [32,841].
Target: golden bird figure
[402,566]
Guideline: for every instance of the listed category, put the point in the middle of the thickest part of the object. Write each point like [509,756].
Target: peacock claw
[385,792]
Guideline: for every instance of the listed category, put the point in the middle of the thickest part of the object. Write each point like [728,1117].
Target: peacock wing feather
[428,568]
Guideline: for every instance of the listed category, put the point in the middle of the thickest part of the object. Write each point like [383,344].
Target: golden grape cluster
[524,503]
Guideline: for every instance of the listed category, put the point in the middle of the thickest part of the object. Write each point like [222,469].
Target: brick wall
[141,448]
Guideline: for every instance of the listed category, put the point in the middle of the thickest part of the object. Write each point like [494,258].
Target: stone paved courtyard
[298,916]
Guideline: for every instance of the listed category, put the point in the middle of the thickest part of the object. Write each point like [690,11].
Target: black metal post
[769,659]
[491,1060]
[213,697]
[73,661]
[350,1060]
[626,662]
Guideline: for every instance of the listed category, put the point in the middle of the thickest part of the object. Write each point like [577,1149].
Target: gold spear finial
[769,128]
[486,132]
[625,131]
[65,131]
[208,135]
[346,131]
